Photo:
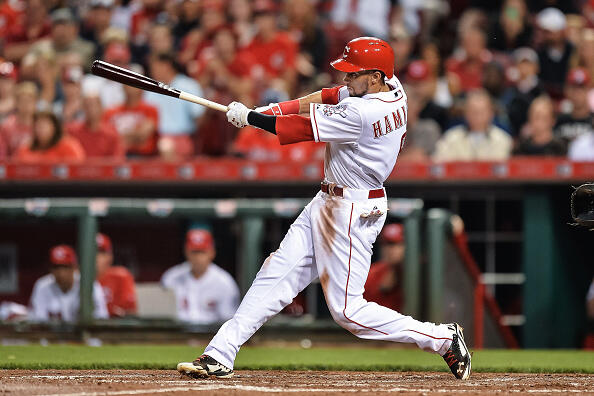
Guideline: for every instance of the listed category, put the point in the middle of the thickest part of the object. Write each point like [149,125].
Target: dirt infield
[155,382]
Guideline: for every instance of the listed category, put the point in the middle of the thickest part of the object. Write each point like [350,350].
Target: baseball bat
[136,80]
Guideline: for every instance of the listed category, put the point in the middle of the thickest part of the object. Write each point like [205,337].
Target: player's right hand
[237,114]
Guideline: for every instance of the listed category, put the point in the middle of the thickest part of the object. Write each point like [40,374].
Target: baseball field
[150,369]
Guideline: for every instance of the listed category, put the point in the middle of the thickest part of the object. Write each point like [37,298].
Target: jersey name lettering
[398,119]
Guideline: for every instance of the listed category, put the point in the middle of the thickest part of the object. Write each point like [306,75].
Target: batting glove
[237,114]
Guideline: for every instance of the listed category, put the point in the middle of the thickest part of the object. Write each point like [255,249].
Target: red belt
[332,189]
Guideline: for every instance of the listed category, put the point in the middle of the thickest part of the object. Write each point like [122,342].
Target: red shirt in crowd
[263,146]
[120,291]
[125,118]
[13,135]
[103,142]
[67,149]
[276,55]
[469,71]
[374,291]
[8,18]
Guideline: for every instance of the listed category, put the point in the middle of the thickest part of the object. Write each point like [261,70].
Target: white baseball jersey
[332,239]
[49,302]
[212,298]
[364,136]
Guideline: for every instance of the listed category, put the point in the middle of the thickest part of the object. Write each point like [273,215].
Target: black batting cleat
[458,356]
[204,367]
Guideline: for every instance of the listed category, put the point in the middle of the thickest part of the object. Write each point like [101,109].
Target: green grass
[364,359]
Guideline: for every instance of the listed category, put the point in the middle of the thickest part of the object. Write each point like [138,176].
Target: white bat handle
[201,101]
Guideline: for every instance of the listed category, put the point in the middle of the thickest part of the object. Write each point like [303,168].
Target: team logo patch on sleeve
[330,110]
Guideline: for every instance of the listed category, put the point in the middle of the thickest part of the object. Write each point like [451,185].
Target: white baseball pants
[330,240]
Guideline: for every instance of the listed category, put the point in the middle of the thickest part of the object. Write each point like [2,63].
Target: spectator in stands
[198,283]
[306,30]
[211,20]
[141,20]
[442,95]
[585,57]
[275,50]
[117,282]
[403,44]
[555,51]
[56,296]
[537,136]
[240,13]
[582,148]
[64,37]
[41,67]
[512,29]
[384,283]
[421,133]
[188,19]
[136,121]
[97,20]
[70,107]
[465,67]
[579,121]
[226,74]
[98,138]
[177,120]
[32,26]
[525,89]
[372,21]
[420,79]
[478,139]
[161,38]
[17,128]
[48,143]
[8,77]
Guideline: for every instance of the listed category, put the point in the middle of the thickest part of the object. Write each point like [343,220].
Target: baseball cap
[8,70]
[578,76]
[103,243]
[525,54]
[62,15]
[199,239]
[117,52]
[551,19]
[393,233]
[417,71]
[63,255]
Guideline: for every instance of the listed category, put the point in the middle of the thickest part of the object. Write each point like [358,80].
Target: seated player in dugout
[384,282]
[363,124]
[56,296]
[204,292]
[117,282]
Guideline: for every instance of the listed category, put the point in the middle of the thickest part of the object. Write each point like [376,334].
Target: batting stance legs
[332,238]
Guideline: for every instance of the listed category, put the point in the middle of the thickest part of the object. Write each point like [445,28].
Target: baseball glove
[582,205]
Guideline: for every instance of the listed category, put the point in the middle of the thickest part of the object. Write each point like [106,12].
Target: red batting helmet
[366,53]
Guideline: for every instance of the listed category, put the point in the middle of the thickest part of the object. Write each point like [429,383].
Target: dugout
[516,224]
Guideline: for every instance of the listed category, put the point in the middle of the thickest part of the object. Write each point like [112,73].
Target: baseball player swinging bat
[136,80]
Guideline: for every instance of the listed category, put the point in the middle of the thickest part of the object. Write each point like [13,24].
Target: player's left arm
[301,105]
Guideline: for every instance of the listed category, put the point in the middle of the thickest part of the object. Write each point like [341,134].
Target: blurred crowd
[485,79]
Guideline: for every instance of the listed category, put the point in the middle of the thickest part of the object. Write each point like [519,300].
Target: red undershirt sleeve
[293,128]
[331,95]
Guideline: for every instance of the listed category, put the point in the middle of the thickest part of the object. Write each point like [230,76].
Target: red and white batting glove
[237,114]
